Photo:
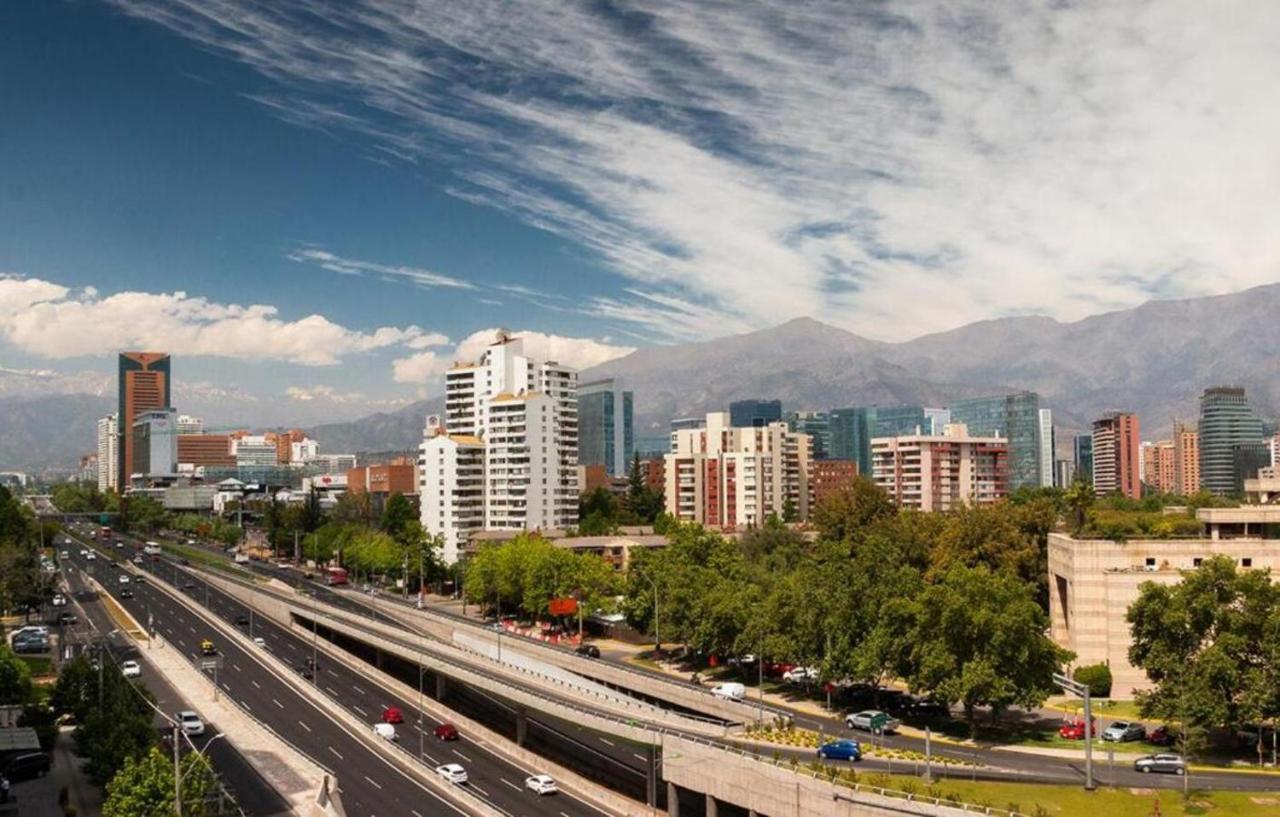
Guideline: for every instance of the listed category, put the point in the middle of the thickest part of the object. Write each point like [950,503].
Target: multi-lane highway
[368,784]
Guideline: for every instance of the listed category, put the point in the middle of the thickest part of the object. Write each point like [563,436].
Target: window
[1196,561]
[1246,562]
[1151,562]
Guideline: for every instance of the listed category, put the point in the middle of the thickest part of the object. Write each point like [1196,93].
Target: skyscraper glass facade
[1084,457]
[817,424]
[1227,426]
[1015,417]
[853,429]
[606,433]
[754,413]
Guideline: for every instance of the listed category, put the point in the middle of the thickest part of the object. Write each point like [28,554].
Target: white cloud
[420,277]
[307,394]
[418,368]
[894,168]
[50,321]
[577,353]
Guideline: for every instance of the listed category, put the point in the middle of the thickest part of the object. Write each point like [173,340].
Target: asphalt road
[368,784]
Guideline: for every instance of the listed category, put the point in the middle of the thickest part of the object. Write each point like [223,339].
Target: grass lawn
[38,664]
[1126,710]
[1035,799]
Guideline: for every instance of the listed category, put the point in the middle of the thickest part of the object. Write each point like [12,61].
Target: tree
[1079,499]
[114,716]
[643,503]
[1097,677]
[397,513]
[144,786]
[844,515]
[1210,644]
[144,513]
[989,535]
[15,678]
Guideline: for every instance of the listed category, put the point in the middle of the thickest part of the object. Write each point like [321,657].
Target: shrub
[1097,677]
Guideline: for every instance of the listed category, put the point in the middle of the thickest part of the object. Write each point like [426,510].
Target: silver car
[1122,731]
[1163,763]
[866,719]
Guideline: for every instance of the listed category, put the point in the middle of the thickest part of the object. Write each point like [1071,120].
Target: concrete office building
[253,451]
[143,384]
[1117,455]
[205,451]
[155,446]
[1186,460]
[1159,459]
[517,418]
[1082,449]
[606,426]
[108,454]
[1226,422]
[940,472]
[731,477]
[1016,417]
[754,413]
[1048,442]
[817,424]
[186,424]
[830,477]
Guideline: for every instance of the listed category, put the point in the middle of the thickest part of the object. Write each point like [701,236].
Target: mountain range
[1154,359]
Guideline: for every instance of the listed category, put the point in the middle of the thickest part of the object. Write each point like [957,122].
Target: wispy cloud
[893,168]
[351,266]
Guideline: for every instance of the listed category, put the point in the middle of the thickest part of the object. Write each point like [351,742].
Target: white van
[731,691]
[242,558]
[151,548]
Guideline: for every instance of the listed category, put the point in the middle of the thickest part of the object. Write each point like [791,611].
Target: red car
[391,714]
[446,731]
[1074,729]
[1162,736]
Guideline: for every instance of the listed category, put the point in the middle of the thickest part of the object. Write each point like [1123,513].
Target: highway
[368,784]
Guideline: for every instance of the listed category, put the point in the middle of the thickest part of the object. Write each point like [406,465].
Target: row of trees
[393,545]
[22,583]
[524,575]
[600,512]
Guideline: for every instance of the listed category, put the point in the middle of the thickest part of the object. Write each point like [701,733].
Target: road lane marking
[331,692]
[256,685]
[606,741]
[640,757]
[363,714]
[432,759]
[358,690]
[236,667]
[277,703]
[477,788]
[335,752]
[373,782]
[461,755]
[509,783]
[415,812]
[304,726]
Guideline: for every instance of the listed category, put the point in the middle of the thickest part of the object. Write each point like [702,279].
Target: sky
[319,205]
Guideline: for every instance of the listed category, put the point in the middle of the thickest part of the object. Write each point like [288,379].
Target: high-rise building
[1117,455]
[1247,459]
[727,477]
[940,472]
[205,451]
[606,426]
[853,429]
[190,425]
[830,477]
[1048,442]
[1016,417]
[1186,460]
[936,420]
[155,445]
[1226,422]
[255,451]
[108,454]
[143,385]
[1064,473]
[1159,465]
[518,419]
[754,413]
[817,424]
[1083,457]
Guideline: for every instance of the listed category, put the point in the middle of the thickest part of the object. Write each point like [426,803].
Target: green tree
[15,678]
[1079,499]
[397,513]
[846,514]
[116,722]
[144,786]
[643,503]
[144,514]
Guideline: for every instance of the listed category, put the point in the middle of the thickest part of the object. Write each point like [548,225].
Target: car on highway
[306,672]
[1123,731]
[1161,763]
[62,555]
[541,784]
[84,553]
[588,650]
[452,772]
[392,714]
[119,545]
[844,749]
[729,691]
[124,579]
[188,585]
[207,647]
[58,600]
[867,718]
[90,555]
[385,731]
[190,723]
[130,668]
[137,560]
[242,620]
[126,593]
[259,641]
[26,766]
[446,731]
[140,579]
[66,617]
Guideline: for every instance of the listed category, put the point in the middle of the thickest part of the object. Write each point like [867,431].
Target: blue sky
[317,204]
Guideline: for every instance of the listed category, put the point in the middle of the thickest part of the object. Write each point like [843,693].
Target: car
[119,545]
[31,646]
[26,766]
[259,641]
[385,731]
[866,719]
[1162,735]
[242,620]
[452,772]
[1161,763]
[588,650]
[66,617]
[139,579]
[137,559]
[392,714]
[190,722]
[191,541]
[62,554]
[843,749]
[30,629]
[446,731]
[1122,731]
[130,668]
[207,648]
[927,707]
[188,585]
[124,579]
[541,784]
[90,555]
[800,675]
[1073,729]
[126,593]
[58,600]
[84,553]
[729,691]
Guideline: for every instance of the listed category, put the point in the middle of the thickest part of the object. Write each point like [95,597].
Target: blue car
[841,750]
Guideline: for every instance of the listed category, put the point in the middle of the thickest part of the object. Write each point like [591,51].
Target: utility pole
[1076,688]
[177,774]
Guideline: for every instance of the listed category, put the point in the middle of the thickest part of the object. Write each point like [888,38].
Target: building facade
[255,451]
[1186,460]
[940,472]
[1159,460]
[606,426]
[1015,417]
[830,477]
[1117,455]
[1064,473]
[853,429]
[1082,449]
[205,451]
[521,417]
[1048,443]
[730,477]
[754,413]
[1226,422]
[397,477]
[817,424]
[186,424]
[108,454]
[155,445]
[143,384]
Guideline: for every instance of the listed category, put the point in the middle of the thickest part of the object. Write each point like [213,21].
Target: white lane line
[256,685]
[277,703]
[509,783]
[246,706]
[432,759]
[606,742]
[237,667]
[373,782]
[562,814]
[461,755]
[358,690]
[482,791]
[335,752]
[640,757]
[331,672]
[363,714]
[224,686]
[331,692]
[304,726]
[415,812]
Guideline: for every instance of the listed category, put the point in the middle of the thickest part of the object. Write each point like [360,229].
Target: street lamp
[177,771]
[657,639]
[1082,690]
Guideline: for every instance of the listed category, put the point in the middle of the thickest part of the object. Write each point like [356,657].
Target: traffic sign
[214,663]
[878,721]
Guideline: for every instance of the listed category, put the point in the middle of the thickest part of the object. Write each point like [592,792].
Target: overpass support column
[713,806]
[441,686]
[522,725]
[673,800]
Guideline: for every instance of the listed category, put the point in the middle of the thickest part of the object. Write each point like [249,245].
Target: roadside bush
[1097,677]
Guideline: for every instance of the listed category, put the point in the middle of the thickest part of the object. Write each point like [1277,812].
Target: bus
[335,576]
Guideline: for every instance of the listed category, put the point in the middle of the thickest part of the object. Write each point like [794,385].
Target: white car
[800,675]
[541,784]
[730,691]
[385,731]
[137,560]
[130,669]
[191,723]
[259,641]
[59,600]
[124,579]
[867,720]
[63,555]
[84,553]
[453,773]
[90,555]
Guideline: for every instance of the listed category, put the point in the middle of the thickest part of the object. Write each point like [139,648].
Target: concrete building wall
[938,473]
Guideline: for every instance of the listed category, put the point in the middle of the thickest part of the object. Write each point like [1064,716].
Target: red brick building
[827,477]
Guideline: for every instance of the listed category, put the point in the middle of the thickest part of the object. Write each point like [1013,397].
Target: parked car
[1122,731]
[1162,735]
[446,731]
[452,772]
[392,714]
[927,707]
[541,784]
[385,731]
[800,675]
[863,720]
[130,668]
[31,646]
[730,691]
[191,723]
[844,749]
[1162,763]
[590,651]
[30,629]
[26,766]
[1073,729]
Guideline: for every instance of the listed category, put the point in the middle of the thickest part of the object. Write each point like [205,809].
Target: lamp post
[1082,690]
[657,638]
[177,771]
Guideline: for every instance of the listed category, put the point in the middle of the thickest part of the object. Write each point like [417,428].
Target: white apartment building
[108,453]
[189,425]
[938,472]
[1048,446]
[728,477]
[255,451]
[303,452]
[505,455]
